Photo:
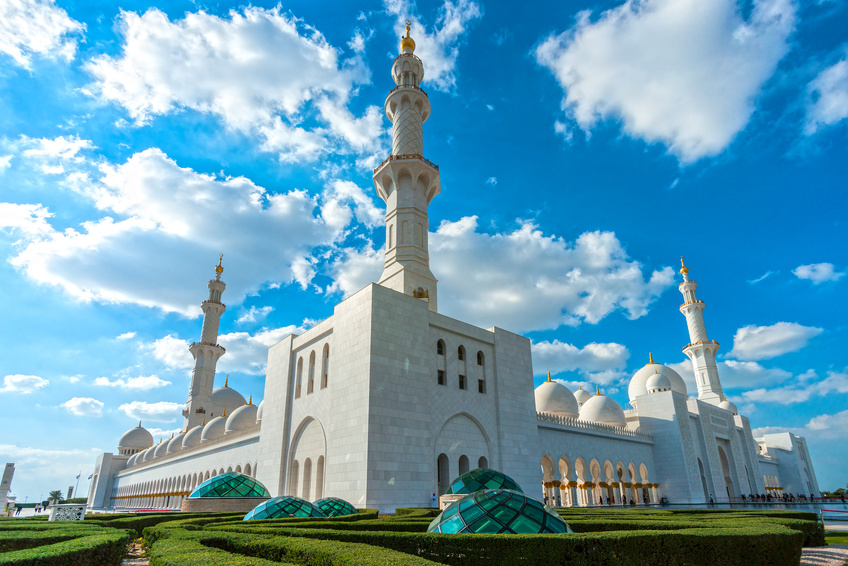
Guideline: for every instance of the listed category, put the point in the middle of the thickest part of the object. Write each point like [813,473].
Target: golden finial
[139,424]
[549,376]
[220,268]
[250,401]
[225,412]
[226,380]
[407,44]
[684,270]
[651,357]
[172,436]
[597,390]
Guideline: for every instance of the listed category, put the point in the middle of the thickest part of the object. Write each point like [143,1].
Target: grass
[836,538]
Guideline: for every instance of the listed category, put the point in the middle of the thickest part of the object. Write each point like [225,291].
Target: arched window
[295,470]
[460,353]
[481,372]
[307,479]
[463,464]
[311,384]
[482,463]
[319,478]
[440,347]
[442,473]
[479,358]
[299,377]
[325,365]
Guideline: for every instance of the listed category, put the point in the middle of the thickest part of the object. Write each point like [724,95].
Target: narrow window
[299,376]
[481,385]
[311,384]
[325,365]
[460,353]
[440,347]
[442,377]
[479,358]
[462,382]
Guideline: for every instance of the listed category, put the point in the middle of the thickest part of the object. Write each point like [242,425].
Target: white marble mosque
[388,400]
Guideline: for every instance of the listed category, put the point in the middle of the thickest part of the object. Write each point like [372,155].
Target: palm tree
[55,496]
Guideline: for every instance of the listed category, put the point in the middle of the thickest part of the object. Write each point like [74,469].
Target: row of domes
[554,397]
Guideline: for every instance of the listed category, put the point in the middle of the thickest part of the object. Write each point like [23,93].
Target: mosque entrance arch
[461,441]
[309,446]
[725,470]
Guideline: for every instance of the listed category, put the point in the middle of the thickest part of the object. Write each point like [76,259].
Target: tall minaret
[700,349]
[407,181]
[206,353]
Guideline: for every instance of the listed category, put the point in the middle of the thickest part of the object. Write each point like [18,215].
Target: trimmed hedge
[138,522]
[35,543]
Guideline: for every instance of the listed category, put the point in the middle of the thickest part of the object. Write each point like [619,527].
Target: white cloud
[29,219]
[163,433]
[42,469]
[440,49]
[178,220]
[142,383]
[163,411]
[818,273]
[559,356]
[36,27]
[522,280]
[762,277]
[821,427]
[84,407]
[685,73]
[492,181]
[5,162]
[254,314]
[735,374]
[261,71]
[751,343]
[22,383]
[125,336]
[172,352]
[828,97]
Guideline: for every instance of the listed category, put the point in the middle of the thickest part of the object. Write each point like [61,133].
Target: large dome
[498,511]
[192,437]
[225,398]
[231,484]
[604,410]
[243,418]
[284,507]
[554,397]
[478,479]
[214,429]
[639,382]
[135,440]
[335,507]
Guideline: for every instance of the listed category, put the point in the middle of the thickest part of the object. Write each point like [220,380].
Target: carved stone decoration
[67,512]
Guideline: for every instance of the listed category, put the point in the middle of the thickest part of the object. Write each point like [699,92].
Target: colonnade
[582,485]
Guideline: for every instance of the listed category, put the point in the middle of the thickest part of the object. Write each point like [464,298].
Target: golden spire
[651,357]
[407,42]
[250,401]
[204,422]
[226,380]
[225,412]
[597,390]
[139,424]
[684,270]
[220,269]
[172,436]
[549,376]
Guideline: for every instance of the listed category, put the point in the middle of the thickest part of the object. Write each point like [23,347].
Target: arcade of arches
[578,484]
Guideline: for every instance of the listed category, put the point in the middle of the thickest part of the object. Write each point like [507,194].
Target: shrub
[86,547]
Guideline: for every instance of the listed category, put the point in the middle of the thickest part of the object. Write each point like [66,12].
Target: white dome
[728,406]
[554,397]
[604,410]
[192,437]
[176,443]
[225,398]
[658,382]
[259,411]
[160,450]
[147,455]
[639,381]
[214,429]
[582,396]
[131,461]
[135,439]
[243,418]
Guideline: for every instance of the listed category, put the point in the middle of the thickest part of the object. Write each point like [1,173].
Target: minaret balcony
[407,156]
[418,88]
[699,302]
[701,343]
[210,344]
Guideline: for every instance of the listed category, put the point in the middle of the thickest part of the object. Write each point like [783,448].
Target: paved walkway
[833,555]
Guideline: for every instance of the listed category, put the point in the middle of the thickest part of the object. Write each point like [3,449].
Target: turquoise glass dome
[478,479]
[283,508]
[335,507]
[232,484]
[498,511]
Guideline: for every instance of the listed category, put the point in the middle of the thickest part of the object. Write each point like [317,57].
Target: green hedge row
[35,543]
[138,522]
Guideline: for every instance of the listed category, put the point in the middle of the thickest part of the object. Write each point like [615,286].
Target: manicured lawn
[836,538]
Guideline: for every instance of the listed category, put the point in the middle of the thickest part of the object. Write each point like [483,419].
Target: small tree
[55,496]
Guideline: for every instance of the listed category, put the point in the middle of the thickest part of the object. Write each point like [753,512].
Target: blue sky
[583,147]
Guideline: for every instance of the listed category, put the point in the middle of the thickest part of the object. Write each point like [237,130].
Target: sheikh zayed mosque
[388,400]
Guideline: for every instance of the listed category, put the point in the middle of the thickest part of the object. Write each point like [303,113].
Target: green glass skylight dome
[498,511]
[478,479]
[284,507]
[232,484]
[335,507]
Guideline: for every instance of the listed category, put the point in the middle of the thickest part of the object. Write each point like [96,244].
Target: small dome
[498,511]
[135,439]
[604,410]
[176,443]
[554,397]
[231,484]
[243,418]
[283,507]
[259,411]
[225,398]
[214,429]
[728,406]
[478,479]
[161,449]
[192,437]
[658,382]
[581,396]
[639,381]
[147,455]
[133,458]
[335,507]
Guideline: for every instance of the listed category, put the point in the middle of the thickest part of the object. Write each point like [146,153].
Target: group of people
[555,501]
[785,498]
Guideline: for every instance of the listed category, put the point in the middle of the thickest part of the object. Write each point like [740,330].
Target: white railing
[586,425]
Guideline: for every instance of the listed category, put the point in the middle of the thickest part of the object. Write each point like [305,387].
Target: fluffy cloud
[684,73]
[261,71]
[163,432]
[172,352]
[142,383]
[835,382]
[5,162]
[45,467]
[828,97]
[125,336]
[22,383]
[28,219]
[84,407]
[254,314]
[36,27]
[163,411]
[440,49]
[173,223]
[523,280]
[593,358]
[818,273]
[752,343]
[735,374]
[821,427]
